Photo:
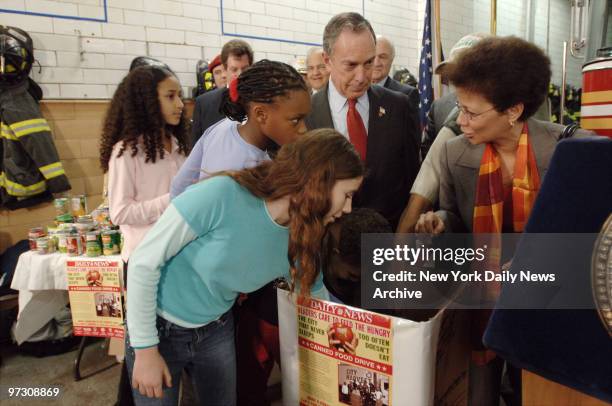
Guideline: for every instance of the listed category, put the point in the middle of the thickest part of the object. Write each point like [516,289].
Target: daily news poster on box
[94,288]
[345,355]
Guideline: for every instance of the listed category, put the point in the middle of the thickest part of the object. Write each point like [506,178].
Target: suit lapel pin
[381,111]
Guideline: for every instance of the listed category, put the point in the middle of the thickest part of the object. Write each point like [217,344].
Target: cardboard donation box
[338,355]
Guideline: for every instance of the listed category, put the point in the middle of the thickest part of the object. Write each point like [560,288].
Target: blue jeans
[207,352]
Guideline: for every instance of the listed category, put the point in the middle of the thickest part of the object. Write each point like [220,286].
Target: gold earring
[511,123]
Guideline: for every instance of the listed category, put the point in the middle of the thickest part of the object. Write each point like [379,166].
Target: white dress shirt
[338,105]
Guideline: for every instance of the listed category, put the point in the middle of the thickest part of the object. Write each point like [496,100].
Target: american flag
[426,93]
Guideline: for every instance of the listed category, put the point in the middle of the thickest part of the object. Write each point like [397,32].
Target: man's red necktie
[356,129]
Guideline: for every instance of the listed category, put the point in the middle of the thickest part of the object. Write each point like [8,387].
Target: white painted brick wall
[115,15]
[103,76]
[95,55]
[184,23]
[83,91]
[74,59]
[184,31]
[122,31]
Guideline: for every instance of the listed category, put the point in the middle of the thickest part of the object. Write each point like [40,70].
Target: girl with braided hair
[143,146]
[231,233]
[273,99]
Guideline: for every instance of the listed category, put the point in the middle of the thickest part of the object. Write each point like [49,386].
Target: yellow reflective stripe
[6,132]
[52,170]
[26,127]
[17,190]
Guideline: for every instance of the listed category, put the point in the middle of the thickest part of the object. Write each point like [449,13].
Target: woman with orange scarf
[491,174]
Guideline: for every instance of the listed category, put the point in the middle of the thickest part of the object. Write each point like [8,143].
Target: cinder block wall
[87,59]
[76,127]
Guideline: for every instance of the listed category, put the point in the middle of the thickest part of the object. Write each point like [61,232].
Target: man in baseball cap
[218,71]
[461,45]
[442,107]
[441,123]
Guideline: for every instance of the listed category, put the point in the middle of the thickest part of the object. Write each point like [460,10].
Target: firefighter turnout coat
[30,169]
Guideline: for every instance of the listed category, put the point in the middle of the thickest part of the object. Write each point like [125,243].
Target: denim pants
[207,352]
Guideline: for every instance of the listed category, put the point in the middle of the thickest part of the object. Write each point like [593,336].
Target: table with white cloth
[43,289]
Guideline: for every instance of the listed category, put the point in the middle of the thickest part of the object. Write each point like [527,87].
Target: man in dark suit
[236,55]
[385,54]
[372,117]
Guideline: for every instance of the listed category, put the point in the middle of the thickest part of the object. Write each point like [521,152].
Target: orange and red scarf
[489,212]
[489,203]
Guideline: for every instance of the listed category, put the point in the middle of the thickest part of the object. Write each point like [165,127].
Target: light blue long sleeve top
[220,148]
[213,242]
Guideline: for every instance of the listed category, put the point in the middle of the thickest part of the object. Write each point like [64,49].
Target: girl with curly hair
[232,233]
[143,146]
[273,99]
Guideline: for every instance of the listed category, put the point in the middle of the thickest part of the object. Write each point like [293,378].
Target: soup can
[64,219]
[34,234]
[94,246]
[74,245]
[45,245]
[61,243]
[62,206]
[79,205]
[111,241]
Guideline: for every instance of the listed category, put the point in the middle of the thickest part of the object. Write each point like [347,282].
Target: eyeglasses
[468,114]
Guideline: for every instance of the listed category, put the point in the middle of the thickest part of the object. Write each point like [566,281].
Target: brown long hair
[306,170]
[135,111]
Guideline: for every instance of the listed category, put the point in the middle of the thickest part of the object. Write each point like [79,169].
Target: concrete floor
[99,389]
[28,371]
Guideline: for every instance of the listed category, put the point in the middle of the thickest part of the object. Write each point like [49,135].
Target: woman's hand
[150,372]
[429,223]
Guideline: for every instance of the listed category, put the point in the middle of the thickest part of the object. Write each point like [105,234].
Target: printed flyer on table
[94,288]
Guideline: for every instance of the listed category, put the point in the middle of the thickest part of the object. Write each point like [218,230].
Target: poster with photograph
[94,288]
[345,355]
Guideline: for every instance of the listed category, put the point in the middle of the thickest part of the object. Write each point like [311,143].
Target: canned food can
[68,228]
[85,219]
[107,243]
[34,234]
[110,242]
[74,245]
[45,245]
[84,228]
[53,232]
[61,205]
[79,205]
[61,243]
[64,219]
[94,246]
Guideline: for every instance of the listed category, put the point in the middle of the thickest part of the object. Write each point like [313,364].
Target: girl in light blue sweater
[226,235]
